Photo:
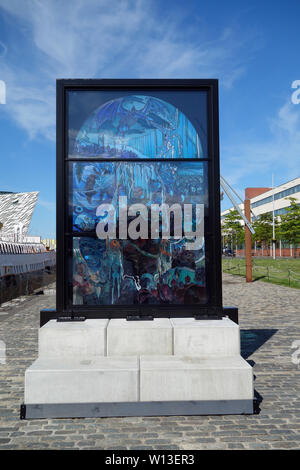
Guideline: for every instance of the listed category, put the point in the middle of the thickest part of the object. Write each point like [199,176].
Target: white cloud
[3,49]
[97,38]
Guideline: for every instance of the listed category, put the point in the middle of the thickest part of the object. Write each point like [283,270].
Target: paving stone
[286,445]
[4,441]
[115,448]
[156,441]
[142,448]
[258,445]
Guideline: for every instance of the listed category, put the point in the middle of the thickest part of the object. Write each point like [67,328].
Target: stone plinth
[136,338]
[134,368]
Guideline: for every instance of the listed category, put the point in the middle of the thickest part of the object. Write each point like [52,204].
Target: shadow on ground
[252,340]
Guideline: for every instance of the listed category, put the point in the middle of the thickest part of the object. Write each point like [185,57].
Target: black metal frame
[48,314]
[212,310]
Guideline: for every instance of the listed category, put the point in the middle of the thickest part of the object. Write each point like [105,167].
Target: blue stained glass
[96,183]
[144,272]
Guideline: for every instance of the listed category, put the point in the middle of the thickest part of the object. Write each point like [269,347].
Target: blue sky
[252,47]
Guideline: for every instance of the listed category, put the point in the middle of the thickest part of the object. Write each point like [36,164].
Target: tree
[232,229]
[290,224]
[263,227]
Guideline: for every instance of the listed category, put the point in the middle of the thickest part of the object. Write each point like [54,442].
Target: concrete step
[73,339]
[118,337]
[205,338]
[139,337]
[130,379]
[175,378]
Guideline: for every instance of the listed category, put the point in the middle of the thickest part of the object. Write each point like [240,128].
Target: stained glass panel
[157,267]
[135,126]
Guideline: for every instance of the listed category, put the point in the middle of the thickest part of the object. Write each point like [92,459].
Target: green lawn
[283,271]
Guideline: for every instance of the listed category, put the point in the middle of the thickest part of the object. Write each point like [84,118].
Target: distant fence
[286,277]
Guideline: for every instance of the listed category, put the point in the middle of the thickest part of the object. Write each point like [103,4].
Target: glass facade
[282,194]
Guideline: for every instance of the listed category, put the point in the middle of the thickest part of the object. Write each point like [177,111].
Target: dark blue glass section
[142,272]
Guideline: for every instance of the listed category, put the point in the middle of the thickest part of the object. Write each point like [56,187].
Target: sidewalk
[269,321]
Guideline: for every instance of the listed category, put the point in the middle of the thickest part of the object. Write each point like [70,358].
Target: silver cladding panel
[16,208]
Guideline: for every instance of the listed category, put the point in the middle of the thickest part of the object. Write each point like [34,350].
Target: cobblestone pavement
[269,321]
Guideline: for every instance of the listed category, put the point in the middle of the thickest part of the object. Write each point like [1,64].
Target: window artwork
[137,126]
[137,207]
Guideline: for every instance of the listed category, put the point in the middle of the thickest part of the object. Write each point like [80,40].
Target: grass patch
[285,272]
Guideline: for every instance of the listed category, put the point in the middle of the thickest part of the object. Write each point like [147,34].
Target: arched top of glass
[137,126]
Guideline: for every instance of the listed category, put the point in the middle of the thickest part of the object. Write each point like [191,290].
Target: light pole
[248,241]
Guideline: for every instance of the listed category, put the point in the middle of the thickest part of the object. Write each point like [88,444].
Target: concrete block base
[73,339]
[186,378]
[139,337]
[205,338]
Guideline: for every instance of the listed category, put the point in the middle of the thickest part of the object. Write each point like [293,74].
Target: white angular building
[16,210]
